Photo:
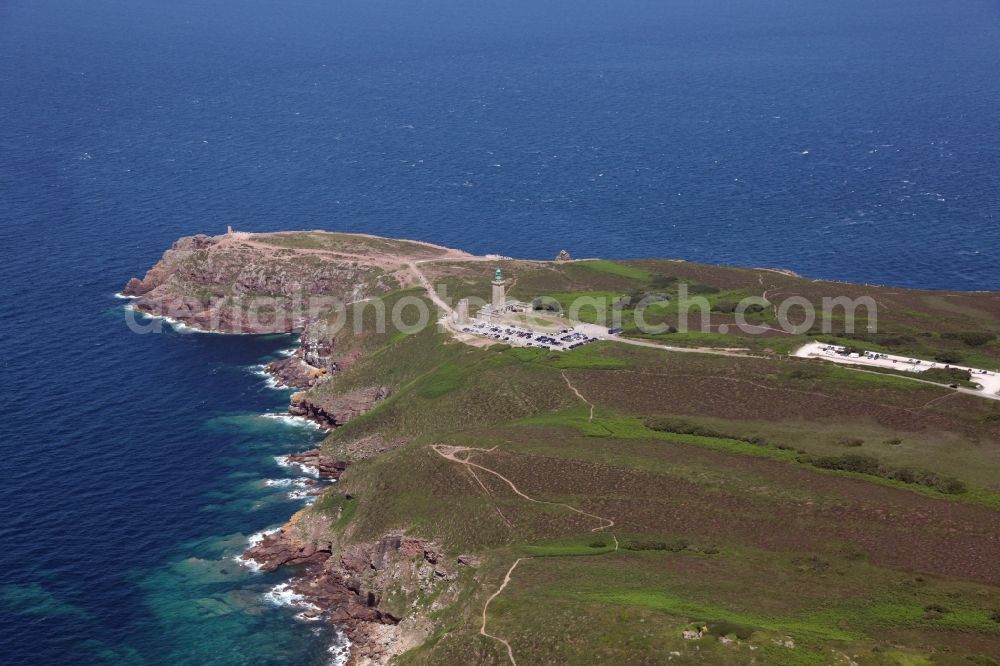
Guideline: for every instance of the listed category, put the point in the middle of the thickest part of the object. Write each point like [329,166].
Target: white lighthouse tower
[498,303]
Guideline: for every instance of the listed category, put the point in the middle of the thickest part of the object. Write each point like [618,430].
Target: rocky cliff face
[241,285]
[346,586]
[336,410]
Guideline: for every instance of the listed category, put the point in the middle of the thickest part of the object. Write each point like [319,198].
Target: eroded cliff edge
[291,283]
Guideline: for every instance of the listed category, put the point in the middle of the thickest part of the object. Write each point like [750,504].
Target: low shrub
[814,372]
[932,611]
[682,427]
[545,305]
[675,546]
[971,338]
[862,464]
[850,463]
[662,281]
[850,442]
[946,375]
[702,289]
[726,628]
[948,357]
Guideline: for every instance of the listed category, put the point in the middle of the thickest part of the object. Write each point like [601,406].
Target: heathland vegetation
[648,507]
[750,526]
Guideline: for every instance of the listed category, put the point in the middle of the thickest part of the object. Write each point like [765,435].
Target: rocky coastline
[341,586]
[199,283]
[345,586]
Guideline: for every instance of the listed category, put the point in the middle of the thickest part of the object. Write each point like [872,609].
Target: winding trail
[429,288]
[486,607]
[579,395]
[453,454]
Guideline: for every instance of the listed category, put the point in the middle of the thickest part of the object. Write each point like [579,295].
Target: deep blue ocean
[850,140]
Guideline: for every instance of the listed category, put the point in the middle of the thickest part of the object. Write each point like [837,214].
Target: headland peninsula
[594,461]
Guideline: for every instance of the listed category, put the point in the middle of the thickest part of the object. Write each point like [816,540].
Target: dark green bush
[948,357]
[677,546]
[862,464]
[850,463]
[679,426]
[545,304]
[932,611]
[682,427]
[645,545]
[726,628]
[971,338]
[663,281]
[946,375]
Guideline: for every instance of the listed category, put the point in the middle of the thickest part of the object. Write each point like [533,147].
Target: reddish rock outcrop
[346,589]
[336,410]
[295,372]
[279,549]
[164,269]
[325,467]
[244,284]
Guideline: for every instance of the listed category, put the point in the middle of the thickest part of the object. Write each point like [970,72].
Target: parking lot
[518,336]
[988,380]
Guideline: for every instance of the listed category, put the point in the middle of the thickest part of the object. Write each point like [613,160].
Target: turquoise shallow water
[850,140]
[130,496]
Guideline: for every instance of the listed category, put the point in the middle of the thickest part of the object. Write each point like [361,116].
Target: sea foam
[282,595]
[308,469]
[260,370]
[289,419]
[340,651]
[254,540]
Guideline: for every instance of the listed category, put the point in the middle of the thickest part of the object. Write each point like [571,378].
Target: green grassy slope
[727,527]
